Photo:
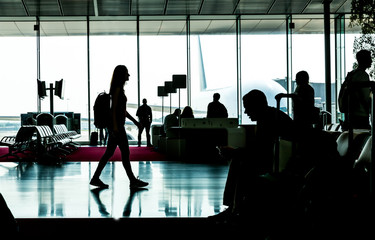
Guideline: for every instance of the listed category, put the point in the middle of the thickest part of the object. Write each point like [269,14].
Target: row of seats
[56,140]
[21,142]
[40,140]
[357,150]
[331,199]
[62,129]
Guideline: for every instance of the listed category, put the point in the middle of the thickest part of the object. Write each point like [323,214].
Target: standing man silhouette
[360,102]
[144,114]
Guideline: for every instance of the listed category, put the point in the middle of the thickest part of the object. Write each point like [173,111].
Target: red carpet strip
[93,154]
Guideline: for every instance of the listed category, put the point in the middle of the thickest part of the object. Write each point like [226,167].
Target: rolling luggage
[283,149]
[94,139]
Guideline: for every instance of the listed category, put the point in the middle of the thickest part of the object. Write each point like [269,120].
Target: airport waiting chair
[364,160]
[20,143]
[360,137]
[333,127]
[62,129]
[62,119]
[52,143]
[362,169]
[43,119]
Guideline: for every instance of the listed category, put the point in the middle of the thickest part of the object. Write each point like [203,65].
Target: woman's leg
[110,150]
[125,154]
[140,130]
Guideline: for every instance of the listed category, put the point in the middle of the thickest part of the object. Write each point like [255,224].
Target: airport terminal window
[17,80]
[213,64]
[65,57]
[263,54]
[113,43]
[162,54]
[309,55]
[350,55]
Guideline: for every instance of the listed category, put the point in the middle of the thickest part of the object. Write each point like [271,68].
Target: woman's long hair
[118,78]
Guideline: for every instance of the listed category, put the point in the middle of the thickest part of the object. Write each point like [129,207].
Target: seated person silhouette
[172,120]
[257,157]
[187,112]
[216,109]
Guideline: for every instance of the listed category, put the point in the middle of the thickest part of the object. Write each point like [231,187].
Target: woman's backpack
[102,110]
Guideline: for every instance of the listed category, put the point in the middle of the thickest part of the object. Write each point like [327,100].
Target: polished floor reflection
[176,190]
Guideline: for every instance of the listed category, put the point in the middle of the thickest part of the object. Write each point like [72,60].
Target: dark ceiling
[13,8]
[165,17]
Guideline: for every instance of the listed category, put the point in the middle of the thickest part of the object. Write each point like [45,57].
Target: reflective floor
[175,190]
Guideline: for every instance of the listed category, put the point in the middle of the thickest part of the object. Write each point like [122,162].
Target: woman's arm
[133,119]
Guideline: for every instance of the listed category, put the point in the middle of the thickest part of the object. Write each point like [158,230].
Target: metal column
[188,61]
[239,80]
[138,65]
[340,71]
[327,48]
[88,76]
[37,29]
[289,59]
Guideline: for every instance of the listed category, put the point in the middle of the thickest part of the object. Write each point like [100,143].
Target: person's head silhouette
[177,112]
[255,103]
[216,97]
[364,59]
[119,77]
[302,78]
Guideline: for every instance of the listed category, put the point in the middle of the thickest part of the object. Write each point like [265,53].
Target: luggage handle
[278,98]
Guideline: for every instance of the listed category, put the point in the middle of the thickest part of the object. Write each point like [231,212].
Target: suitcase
[94,139]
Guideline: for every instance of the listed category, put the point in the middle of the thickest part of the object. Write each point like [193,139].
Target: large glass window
[162,54]
[114,43]
[309,55]
[17,76]
[213,64]
[263,54]
[65,57]
[350,52]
